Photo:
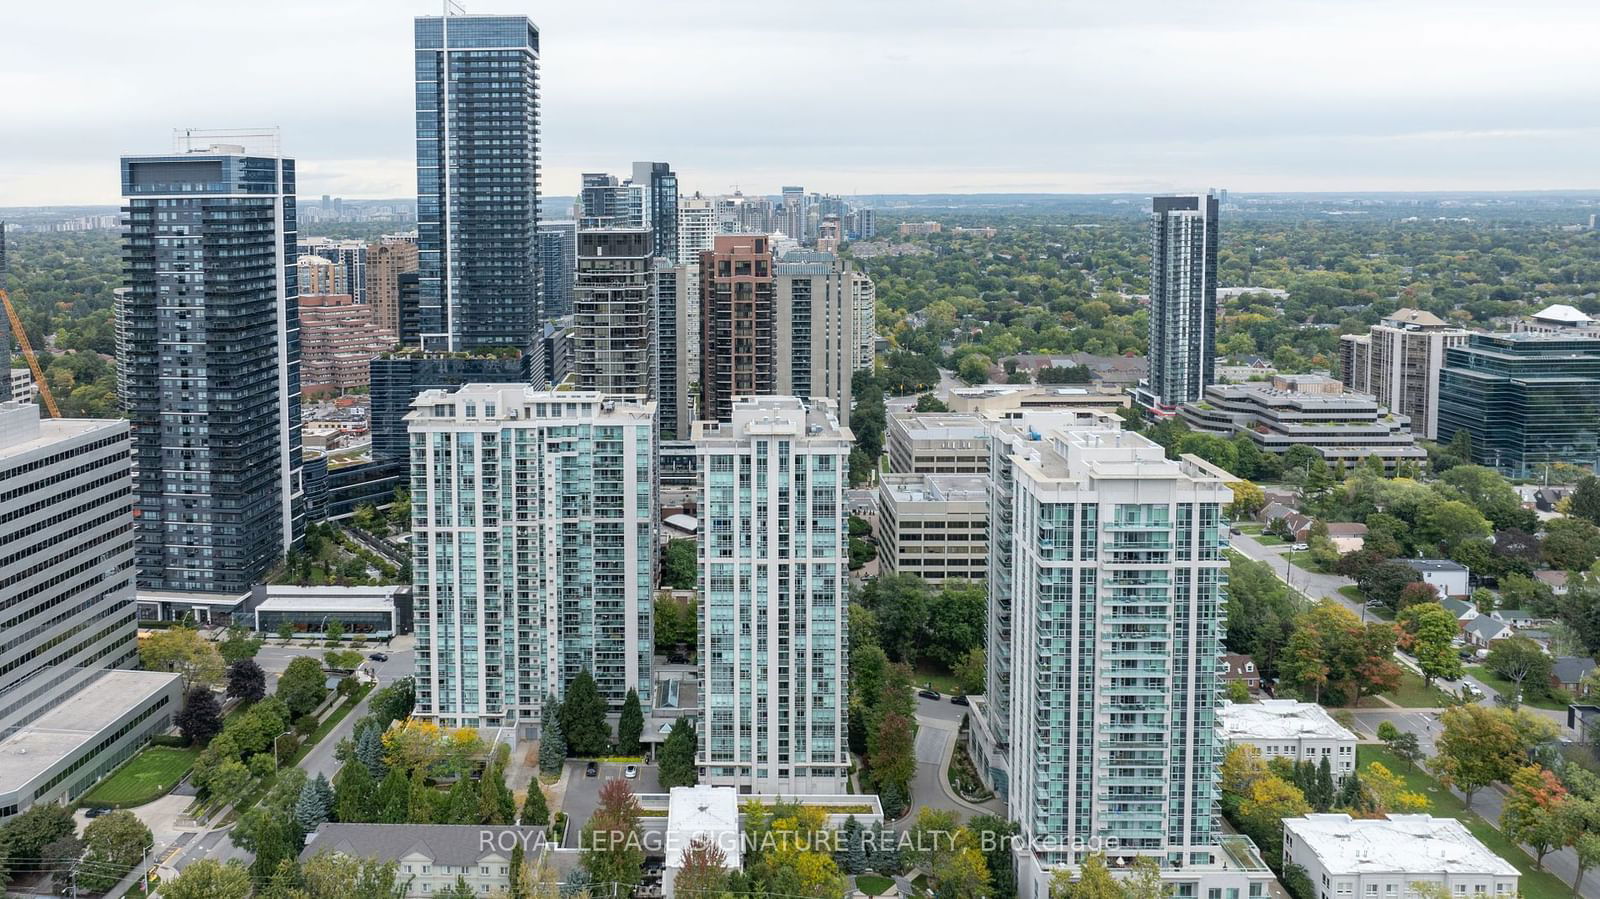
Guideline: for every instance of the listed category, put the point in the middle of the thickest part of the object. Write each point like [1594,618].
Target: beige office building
[1011,400]
[337,343]
[935,526]
[387,260]
[938,443]
[1398,363]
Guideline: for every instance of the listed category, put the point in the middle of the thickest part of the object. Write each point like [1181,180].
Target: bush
[306,724]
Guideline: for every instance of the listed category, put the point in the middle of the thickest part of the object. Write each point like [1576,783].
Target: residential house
[431,857]
[1465,610]
[1518,618]
[1445,576]
[1555,580]
[1347,536]
[1285,728]
[1373,857]
[1240,667]
[1485,629]
[1568,672]
[1299,525]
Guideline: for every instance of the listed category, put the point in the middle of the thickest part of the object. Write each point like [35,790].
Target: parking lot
[583,793]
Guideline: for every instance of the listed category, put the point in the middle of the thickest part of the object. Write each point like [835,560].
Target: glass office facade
[211,366]
[1527,399]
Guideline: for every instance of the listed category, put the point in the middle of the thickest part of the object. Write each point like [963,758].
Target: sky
[844,96]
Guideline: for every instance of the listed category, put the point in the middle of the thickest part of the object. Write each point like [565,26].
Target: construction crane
[22,337]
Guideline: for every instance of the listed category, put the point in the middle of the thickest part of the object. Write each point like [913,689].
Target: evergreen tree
[552,743]
[1324,791]
[355,794]
[884,856]
[496,804]
[630,726]
[583,717]
[394,798]
[313,808]
[1352,797]
[462,804]
[894,799]
[853,856]
[677,756]
[535,810]
[369,750]
[423,803]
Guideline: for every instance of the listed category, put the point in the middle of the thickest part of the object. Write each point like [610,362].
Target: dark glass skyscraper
[212,361]
[1528,400]
[660,184]
[1183,301]
[478,181]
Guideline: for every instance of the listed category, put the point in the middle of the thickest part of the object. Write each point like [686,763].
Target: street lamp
[275,745]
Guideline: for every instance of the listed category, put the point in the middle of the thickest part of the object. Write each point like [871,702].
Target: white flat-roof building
[58,755]
[938,443]
[1011,400]
[1369,858]
[706,813]
[369,611]
[1284,728]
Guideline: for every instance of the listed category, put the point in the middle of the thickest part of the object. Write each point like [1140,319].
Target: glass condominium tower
[773,577]
[1183,300]
[534,556]
[211,357]
[478,181]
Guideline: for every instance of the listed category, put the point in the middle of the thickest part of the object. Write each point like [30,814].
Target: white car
[630,772]
[1300,547]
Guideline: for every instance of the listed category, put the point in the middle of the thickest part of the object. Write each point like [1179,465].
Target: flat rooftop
[942,425]
[776,416]
[937,488]
[703,811]
[30,750]
[22,431]
[1279,719]
[1407,844]
[315,600]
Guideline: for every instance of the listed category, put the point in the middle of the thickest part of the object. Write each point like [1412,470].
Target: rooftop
[1561,313]
[937,488]
[778,416]
[22,431]
[443,844]
[1406,844]
[1435,565]
[514,402]
[28,751]
[942,425]
[1278,719]
[329,599]
[703,811]
[1419,317]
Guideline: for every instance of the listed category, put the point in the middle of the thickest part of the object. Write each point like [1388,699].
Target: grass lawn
[1412,694]
[148,775]
[932,673]
[873,884]
[1269,540]
[1533,884]
[1352,592]
[1501,685]
[1251,529]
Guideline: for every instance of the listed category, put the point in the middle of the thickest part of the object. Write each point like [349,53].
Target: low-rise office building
[1286,729]
[938,443]
[58,755]
[934,526]
[374,612]
[1306,410]
[1011,400]
[1351,858]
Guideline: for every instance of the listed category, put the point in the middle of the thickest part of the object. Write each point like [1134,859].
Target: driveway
[938,728]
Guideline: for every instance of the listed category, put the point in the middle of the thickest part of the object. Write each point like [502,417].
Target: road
[938,728]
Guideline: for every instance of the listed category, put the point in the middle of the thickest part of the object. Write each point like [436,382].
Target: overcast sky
[844,96]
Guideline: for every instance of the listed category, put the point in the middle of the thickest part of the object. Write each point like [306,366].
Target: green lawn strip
[1251,529]
[326,727]
[1533,885]
[1412,695]
[1501,685]
[1351,591]
[150,774]
[930,672]
[873,884]
[1269,540]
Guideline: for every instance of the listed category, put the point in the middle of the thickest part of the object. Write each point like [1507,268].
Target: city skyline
[1351,103]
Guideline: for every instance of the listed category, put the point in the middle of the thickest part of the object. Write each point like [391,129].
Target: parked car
[928,693]
[591,770]
[959,700]
[379,657]
[1235,531]
[95,811]
[630,772]
[678,658]
[1300,547]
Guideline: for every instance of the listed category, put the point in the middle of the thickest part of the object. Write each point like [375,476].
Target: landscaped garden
[149,775]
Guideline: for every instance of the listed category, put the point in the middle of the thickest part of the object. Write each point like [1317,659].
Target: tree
[900,604]
[1432,627]
[415,745]
[971,672]
[184,652]
[210,879]
[1477,746]
[927,402]
[394,797]
[995,833]
[1248,499]
[285,630]
[930,837]
[1416,593]
[302,685]
[965,875]
[1531,814]
[1387,791]
[679,568]
[238,645]
[611,853]
[246,681]
[315,805]
[332,875]
[1585,499]
[583,717]
[1521,661]
[1386,580]
[957,618]
[369,751]
[535,809]
[355,798]
[630,725]
[1331,649]
[333,630]
[1094,881]
[677,622]
[891,758]
[703,871]
[1405,747]
[1260,612]
[552,744]
[1571,544]
[458,890]
[974,368]
[113,844]
[1263,807]
[201,717]
[677,768]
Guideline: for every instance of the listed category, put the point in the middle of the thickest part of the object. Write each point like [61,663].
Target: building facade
[349,258]
[534,550]
[660,185]
[1344,857]
[398,376]
[1183,301]
[938,443]
[817,326]
[1528,400]
[478,181]
[338,340]
[613,312]
[387,261]
[1286,729]
[1398,362]
[1113,643]
[736,320]
[212,351]
[558,264]
[674,297]
[774,567]
[935,526]
[1306,410]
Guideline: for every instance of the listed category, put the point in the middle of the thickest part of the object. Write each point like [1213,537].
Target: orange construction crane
[27,352]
